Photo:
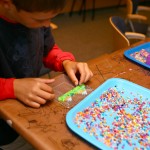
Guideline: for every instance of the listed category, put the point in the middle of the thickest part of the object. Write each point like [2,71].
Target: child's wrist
[65,62]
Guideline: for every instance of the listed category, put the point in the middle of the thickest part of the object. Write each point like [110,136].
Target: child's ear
[6,3]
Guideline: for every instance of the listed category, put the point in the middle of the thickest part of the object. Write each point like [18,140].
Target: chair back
[135,21]
[132,6]
[129,6]
[135,4]
[119,28]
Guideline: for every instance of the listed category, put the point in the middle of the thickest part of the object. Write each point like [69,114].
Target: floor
[89,39]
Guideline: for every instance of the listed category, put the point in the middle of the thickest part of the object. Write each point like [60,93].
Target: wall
[98,4]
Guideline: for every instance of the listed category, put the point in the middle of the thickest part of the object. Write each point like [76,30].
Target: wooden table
[45,128]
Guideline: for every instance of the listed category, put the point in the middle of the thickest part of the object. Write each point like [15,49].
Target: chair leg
[83,9]
[93,10]
[132,26]
[119,3]
[72,7]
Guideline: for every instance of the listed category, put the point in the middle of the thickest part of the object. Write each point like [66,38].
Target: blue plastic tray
[98,124]
[130,51]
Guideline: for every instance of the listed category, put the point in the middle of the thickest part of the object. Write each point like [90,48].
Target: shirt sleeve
[55,58]
[6,88]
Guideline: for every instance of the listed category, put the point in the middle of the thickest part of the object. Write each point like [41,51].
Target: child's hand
[72,68]
[33,91]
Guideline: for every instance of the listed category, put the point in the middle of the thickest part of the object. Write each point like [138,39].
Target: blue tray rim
[133,49]
[69,114]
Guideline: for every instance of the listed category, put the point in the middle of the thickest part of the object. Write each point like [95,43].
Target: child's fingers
[44,95]
[85,76]
[33,104]
[73,77]
[45,80]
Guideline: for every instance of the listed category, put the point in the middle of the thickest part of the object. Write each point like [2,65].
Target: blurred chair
[121,37]
[53,25]
[136,21]
[83,9]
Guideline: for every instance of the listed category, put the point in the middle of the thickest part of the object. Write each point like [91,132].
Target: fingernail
[76,83]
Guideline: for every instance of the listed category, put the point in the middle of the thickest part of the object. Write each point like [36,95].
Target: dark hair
[39,5]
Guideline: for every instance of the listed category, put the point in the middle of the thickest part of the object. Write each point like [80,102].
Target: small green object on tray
[77,90]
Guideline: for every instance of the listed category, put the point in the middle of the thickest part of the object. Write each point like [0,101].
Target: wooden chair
[122,38]
[83,9]
[53,25]
[135,20]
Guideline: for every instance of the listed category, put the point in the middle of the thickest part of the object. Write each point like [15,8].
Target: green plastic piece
[77,90]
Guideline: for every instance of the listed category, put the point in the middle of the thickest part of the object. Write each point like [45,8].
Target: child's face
[35,19]
[30,19]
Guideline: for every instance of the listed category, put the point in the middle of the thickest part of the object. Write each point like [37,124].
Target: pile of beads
[120,119]
[140,55]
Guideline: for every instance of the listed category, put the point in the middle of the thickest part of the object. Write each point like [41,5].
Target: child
[26,43]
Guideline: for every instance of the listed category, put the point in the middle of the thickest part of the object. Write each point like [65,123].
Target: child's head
[32,13]
[39,5]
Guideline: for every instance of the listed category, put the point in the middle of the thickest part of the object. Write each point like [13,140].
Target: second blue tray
[130,51]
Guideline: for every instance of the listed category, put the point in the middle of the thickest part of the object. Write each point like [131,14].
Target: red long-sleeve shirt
[53,60]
